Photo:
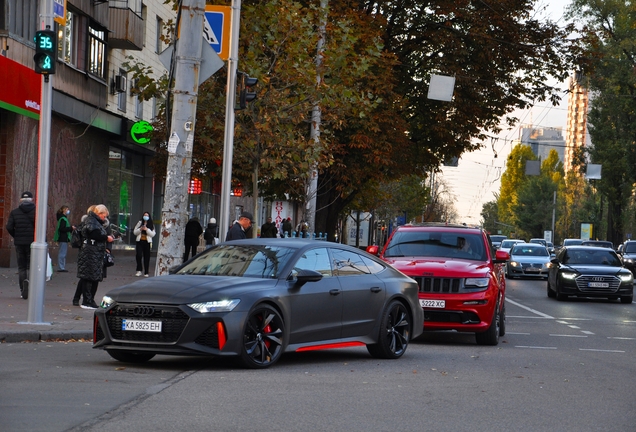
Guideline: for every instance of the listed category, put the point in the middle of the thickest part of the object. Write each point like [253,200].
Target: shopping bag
[49,267]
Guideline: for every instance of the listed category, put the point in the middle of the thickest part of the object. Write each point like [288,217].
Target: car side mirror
[305,276]
[501,256]
[373,250]
[554,261]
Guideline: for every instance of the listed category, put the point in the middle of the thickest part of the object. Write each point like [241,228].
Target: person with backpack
[21,226]
[62,236]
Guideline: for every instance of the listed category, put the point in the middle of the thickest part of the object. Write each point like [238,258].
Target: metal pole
[553,216]
[39,248]
[228,145]
[174,213]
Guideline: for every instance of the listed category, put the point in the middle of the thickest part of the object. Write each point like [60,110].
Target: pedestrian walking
[211,233]
[287,228]
[62,236]
[79,290]
[21,226]
[268,229]
[193,232]
[90,261]
[145,231]
[240,227]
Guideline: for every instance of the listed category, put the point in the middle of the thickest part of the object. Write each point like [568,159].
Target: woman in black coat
[90,261]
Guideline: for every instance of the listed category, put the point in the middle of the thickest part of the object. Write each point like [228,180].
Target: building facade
[542,140]
[576,135]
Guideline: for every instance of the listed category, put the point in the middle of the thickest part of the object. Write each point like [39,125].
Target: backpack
[76,237]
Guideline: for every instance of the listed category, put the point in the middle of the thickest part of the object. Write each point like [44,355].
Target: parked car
[507,244]
[528,260]
[599,243]
[496,240]
[256,299]
[461,282]
[587,271]
[628,254]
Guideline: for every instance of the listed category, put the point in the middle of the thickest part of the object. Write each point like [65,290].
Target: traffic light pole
[174,213]
[228,145]
[39,248]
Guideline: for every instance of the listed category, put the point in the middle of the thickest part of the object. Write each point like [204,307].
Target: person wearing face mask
[62,236]
[145,231]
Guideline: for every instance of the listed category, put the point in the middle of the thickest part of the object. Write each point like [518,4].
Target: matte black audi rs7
[256,299]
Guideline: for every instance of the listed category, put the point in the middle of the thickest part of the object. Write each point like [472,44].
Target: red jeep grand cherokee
[461,279]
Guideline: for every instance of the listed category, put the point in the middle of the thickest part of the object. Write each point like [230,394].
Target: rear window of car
[436,244]
[630,247]
[507,244]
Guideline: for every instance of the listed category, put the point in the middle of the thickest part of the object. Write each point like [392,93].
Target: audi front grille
[583,284]
[173,321]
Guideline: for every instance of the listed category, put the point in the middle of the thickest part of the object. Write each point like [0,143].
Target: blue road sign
[216,29]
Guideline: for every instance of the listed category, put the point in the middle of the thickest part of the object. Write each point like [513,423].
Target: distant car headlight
[629,260]
[626,277]
[107,302]
[215,306]
[476,283]
[514,264]
[568,275]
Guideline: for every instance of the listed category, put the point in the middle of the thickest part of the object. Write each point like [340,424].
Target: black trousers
[87,289]
[187,251]
[143,251]
[24,262]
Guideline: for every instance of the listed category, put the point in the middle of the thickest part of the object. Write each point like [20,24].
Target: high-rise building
[543,139]
[576,135]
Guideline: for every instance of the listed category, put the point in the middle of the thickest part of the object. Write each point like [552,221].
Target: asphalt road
[562,366]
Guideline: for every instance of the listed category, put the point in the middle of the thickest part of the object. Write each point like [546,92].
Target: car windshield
[507,244]
[530,250]
[592,256]
[436,244]
[497,238]
[257,261]
[630,247]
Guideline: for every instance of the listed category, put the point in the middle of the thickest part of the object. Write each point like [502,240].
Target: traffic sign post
[216,29]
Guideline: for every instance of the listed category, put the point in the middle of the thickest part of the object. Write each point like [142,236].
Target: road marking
[587,332]
[509,333]
[534,347]
[574,327]
[600,350]
[541,314]
[524,316]
[560,335]
[562,322]
[618,338]
[629,321]
[577,319]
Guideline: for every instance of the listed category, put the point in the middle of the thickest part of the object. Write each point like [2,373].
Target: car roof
[439,227]
[587,248]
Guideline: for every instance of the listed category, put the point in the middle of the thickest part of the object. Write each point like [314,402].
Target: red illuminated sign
[195,187]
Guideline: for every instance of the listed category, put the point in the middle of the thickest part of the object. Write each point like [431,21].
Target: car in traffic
[540,241]
[496,240]
[460,277]
[572,242]
[628,254]
[588,271]
[507,244]
[259,298]
[528,260]
[599,243]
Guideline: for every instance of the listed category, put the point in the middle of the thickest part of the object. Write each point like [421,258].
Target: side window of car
[347,263]
[373,266]
[316,260]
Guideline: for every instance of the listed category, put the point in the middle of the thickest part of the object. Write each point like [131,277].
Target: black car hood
[595,269]
[182,289]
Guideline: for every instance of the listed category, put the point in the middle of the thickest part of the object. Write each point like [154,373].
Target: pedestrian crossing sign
[216,29]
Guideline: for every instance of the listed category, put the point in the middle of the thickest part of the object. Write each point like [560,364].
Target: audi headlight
[568,275]
[626,277]
[476,283]
[106,302]
[215,306]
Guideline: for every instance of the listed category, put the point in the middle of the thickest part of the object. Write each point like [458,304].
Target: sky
[477,177]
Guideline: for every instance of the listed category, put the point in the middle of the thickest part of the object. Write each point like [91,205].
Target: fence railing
[307,235]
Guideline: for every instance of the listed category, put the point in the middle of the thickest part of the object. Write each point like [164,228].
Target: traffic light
[45,52]
[245,83]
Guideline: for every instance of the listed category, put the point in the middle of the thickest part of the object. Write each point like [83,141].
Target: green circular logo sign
[140,131]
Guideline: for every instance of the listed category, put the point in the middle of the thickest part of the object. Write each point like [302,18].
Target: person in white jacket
[145,231]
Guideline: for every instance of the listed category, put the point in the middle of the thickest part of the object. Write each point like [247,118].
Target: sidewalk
[63,320]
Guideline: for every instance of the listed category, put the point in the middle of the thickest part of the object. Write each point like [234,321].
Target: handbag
[109,261]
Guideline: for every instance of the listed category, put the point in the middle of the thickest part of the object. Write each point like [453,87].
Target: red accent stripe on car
[330,346]
[220,330]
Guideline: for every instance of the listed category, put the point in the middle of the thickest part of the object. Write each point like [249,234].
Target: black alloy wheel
[559,296]
[395,332]
[491,336]
[262,338]
[130,356]
[627,299]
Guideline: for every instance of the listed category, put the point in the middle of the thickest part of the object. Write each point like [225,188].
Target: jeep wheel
[502,322]
[490,336]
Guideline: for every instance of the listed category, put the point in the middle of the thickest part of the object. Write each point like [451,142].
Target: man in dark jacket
[287,228]
[237,232]
[193,231]
[211,233]
[268,229]
[21,226]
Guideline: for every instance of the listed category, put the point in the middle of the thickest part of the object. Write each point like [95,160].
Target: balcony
[127,29]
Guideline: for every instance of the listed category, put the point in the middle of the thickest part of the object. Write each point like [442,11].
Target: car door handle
[376,289]
[334,292]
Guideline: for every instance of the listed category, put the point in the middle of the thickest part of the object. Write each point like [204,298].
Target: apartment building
[577,135]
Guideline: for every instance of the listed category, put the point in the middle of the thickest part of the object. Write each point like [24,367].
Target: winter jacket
[150,233]
[21,224]
[90,260]
[193,231]
[235,233]
[210,233]
[63,231]
[269,230]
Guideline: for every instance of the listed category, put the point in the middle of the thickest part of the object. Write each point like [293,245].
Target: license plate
[598,285]
[533,270]
[138,325]
[440,304]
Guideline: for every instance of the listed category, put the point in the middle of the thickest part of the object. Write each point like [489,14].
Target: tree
[511,181]
[489,217]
